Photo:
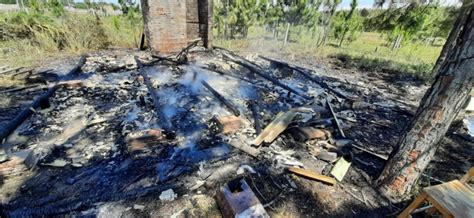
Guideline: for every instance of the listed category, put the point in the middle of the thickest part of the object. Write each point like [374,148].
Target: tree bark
[440,105]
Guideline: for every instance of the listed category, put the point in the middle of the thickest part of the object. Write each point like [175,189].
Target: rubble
[227,124]
[137,125]
[236,199]
[340,168]
[469,125]
[168,195]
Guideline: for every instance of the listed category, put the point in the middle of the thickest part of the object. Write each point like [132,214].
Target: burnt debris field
[124,133]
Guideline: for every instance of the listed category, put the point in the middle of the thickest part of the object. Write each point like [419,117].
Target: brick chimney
[171,24]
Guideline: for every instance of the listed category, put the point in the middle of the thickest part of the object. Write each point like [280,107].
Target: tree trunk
[342,38]
[397,42]
[287,33]
[438,108]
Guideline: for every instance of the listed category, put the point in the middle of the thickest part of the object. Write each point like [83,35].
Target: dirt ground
[102,178]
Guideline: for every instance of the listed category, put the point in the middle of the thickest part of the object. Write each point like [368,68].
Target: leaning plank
[312,175]
[304,72]
[268,77]
[277,126]
[255,69]
[338,124]
[156,101]
[6,130]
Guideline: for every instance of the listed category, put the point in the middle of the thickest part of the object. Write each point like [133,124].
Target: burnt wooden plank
[156,101]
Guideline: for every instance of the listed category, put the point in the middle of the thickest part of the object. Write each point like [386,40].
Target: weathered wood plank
[312,175]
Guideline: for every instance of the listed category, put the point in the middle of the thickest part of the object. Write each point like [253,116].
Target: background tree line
[323,20]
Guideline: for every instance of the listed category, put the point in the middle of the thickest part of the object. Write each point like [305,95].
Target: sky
[344,5]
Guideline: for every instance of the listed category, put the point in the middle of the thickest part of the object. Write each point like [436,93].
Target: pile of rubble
[212,122]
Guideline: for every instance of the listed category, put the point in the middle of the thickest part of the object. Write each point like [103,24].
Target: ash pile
[150,131]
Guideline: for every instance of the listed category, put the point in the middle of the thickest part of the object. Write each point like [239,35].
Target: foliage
[24,38]
[128,6]
[414,21]
[55,34]
[347,22]
[237,15]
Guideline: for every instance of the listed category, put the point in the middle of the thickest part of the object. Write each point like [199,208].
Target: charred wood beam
[11,70]
[156,101]
[180,58]
[182,55]
[336,120]
[256,116]
[220,72]
[38,102]
[305,73]
[257,70]
[219,97]
[21,88]
[29,71]
[269,78]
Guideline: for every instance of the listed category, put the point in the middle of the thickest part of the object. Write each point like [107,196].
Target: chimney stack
[171,24]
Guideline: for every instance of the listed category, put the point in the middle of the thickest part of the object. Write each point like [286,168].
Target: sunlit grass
[81,33]
[369,48]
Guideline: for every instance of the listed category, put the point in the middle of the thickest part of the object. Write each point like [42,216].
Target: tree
[329,8]
[438,108]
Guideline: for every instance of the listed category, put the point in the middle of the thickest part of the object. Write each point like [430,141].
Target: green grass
[368,52]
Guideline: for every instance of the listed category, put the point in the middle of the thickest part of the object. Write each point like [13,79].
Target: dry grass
[55,37]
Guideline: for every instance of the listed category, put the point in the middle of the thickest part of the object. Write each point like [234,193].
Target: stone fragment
[138,207]
[57,163]
[168,195]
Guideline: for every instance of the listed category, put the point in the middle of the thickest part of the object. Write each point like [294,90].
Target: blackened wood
[142,42]
[23,71]
[257,70]
[220,72]
[256,116]
[11,70]
[39,101]
[304,72]
[156,100]
[21,88]
[336,120]
[219,97]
